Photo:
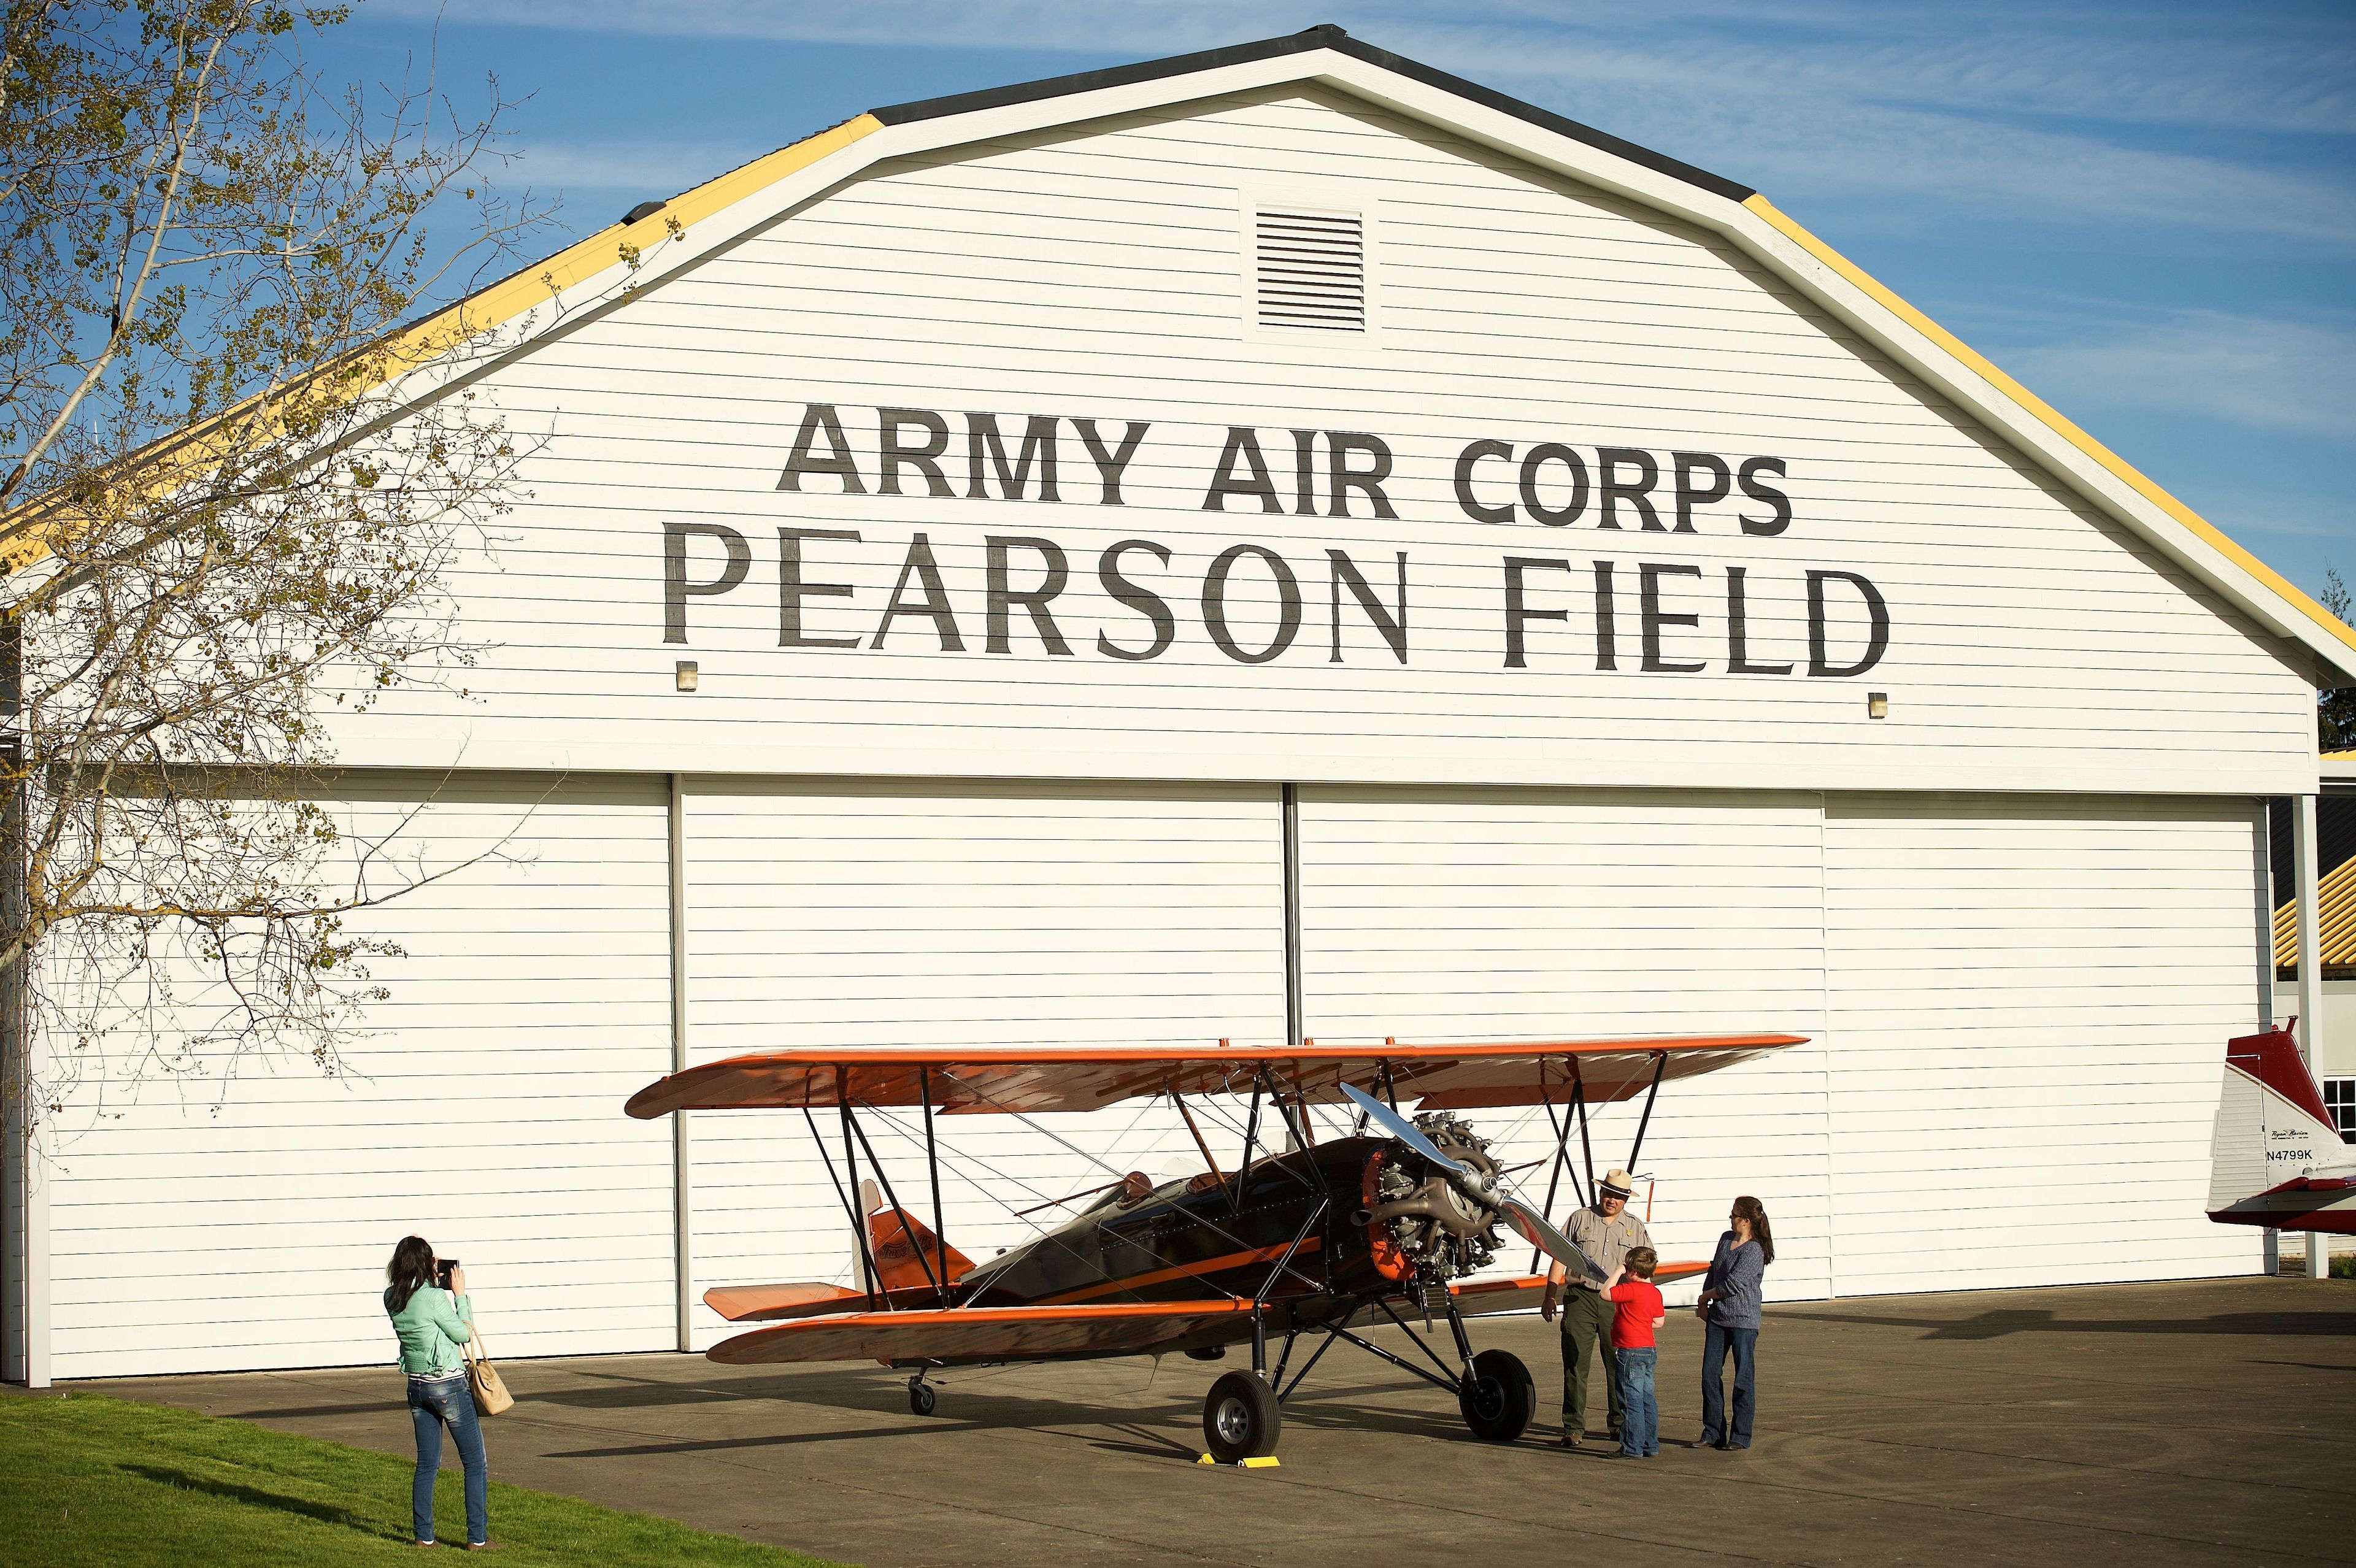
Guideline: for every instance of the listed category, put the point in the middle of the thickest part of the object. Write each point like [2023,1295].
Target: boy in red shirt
[1639,1312]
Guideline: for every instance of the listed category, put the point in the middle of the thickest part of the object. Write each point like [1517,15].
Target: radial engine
[1439,1231]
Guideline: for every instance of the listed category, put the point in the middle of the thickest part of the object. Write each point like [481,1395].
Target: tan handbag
[490,1390]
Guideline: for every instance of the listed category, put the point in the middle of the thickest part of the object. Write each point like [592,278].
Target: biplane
[1390,1218]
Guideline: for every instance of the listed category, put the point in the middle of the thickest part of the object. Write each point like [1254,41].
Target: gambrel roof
[659,240]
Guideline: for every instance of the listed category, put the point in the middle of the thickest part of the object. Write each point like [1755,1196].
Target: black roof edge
[1326,36]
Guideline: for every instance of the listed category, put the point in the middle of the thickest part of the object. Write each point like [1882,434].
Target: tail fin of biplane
[2274,1144]
[899,1264]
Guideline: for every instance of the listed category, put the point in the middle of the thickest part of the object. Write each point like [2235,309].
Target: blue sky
[2146,211]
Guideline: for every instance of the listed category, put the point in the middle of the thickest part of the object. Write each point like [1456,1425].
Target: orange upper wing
[978,1333]
[1083,1078]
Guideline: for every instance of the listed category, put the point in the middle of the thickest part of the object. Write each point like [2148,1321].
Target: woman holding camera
[433,1322]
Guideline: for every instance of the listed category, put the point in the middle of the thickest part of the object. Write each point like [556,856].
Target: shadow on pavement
[1997,1325]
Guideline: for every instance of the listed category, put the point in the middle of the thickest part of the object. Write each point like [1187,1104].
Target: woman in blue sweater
[1731,1297]
[434,1323]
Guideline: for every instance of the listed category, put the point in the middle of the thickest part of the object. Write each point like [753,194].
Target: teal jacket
[432,1328]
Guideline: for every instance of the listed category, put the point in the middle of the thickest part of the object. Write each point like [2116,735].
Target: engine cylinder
[1417,1219]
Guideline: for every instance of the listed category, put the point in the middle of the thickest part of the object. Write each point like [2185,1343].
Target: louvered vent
[1312,270]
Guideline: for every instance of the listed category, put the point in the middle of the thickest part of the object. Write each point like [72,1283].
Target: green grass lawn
[87,1480]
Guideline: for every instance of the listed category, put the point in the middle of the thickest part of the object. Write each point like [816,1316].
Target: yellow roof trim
[2201,527]
[492,307]
[585,259]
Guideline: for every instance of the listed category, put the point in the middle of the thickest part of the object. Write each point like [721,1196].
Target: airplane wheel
[921,1397]
[1499,1398]
[1240,1419]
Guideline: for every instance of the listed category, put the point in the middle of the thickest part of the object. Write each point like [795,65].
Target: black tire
[1240,1419]
[921,1398]
[1499,1398]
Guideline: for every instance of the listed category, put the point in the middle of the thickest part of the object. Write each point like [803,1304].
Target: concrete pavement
[2118,1425]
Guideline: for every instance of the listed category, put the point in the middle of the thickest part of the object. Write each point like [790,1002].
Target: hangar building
[1279,541]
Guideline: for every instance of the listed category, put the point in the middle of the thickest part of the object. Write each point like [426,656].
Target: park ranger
[1604,1231]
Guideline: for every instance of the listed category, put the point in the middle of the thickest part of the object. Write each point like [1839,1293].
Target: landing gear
[1497,1396]
[1240,1419]
[921,1397]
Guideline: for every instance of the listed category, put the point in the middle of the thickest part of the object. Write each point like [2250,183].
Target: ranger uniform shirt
[1606,1241]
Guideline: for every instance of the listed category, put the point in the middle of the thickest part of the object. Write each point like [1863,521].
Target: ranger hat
[1619,1183]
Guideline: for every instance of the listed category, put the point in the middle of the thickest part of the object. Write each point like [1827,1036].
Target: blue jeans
[1640,1417]
[430,1405]
[1716,1341]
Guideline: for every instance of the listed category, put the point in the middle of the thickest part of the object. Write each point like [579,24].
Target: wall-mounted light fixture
[685,675]
[1877,704]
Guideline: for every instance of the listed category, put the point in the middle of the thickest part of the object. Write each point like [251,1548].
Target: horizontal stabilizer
[775,1303]
[757,1302]
[980,1333]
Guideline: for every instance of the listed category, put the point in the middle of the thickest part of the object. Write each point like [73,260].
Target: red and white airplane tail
[2276,1158]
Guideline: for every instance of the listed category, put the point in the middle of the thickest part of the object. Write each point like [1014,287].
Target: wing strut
[1282,1267]
[1251,1134]
[908,1229]
[851,1166]
[1646,1120]
[1586,1147]
[1295,1120]
[933,1171]
[858,1226]
[1178,1101]
[1561,1126]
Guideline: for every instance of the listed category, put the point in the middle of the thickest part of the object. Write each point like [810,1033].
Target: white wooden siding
[2016,1008]
[878,914]
[1495,914]
[240,1215]
[2030,1000]
[1104,274]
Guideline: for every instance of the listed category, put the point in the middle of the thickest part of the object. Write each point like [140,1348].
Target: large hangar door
[931,913]
[2031,1001]
[1525,914]
[237,1211]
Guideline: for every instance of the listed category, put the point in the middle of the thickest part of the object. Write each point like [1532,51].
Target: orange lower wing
[1521,1293]
[980,1333]
[1476,1297]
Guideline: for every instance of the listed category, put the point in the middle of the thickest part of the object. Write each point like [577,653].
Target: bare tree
[214,532]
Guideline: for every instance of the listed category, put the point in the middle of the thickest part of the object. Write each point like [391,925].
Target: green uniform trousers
[1586,1323]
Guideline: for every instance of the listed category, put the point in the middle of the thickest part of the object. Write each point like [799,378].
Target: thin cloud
[2261,373]
[2200,68]
[2028,112]
[646,168]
